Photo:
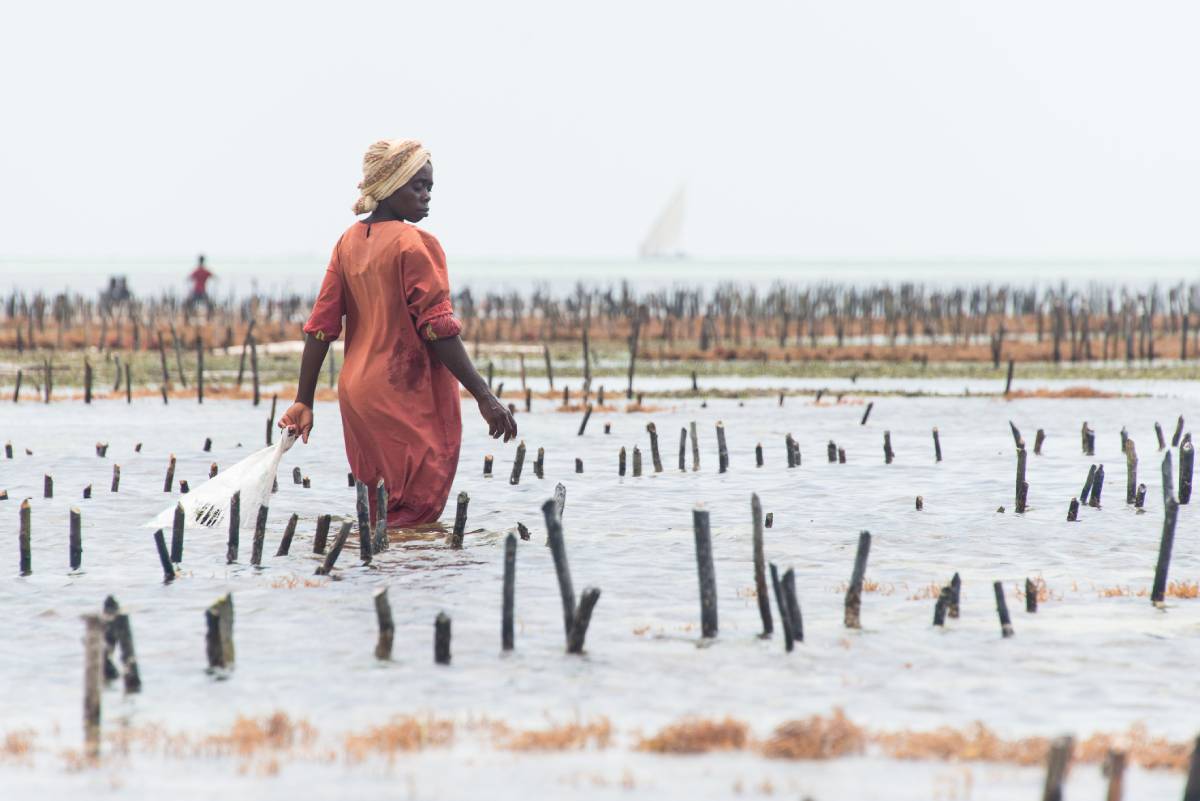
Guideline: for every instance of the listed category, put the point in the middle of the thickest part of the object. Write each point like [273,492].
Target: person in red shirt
[199,278]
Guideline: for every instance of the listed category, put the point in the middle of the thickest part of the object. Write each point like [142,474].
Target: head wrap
[387,166]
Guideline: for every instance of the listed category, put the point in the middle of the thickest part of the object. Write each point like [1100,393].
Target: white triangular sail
[666,235]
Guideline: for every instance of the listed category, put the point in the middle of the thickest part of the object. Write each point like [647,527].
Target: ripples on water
[1083,663]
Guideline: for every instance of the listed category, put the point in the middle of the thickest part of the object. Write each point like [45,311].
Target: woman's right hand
[499,419]
[298,419]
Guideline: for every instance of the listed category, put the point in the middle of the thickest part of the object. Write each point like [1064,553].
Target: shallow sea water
[1084,663]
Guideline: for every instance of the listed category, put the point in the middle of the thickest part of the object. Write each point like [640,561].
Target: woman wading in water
[398,390]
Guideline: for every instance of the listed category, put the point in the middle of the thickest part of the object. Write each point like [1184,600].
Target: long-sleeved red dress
[400,405]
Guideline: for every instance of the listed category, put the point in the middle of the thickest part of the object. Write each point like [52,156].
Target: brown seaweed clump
[557,737]
[399,735]
[816,738]
[698,736]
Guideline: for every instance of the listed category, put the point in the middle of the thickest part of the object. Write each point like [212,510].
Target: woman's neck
[380,215]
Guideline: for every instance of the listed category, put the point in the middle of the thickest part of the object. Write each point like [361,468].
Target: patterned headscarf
[387,166]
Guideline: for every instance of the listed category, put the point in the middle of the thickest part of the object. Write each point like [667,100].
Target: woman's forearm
[450,352]
[310,369]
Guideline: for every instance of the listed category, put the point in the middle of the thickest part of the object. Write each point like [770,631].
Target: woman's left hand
[499,419]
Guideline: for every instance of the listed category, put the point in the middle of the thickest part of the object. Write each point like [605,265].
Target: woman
[398,390]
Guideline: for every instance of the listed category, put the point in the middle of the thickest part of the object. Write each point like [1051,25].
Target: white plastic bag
[208,504]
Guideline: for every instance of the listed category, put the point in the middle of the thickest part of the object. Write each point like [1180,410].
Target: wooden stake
[387,629]
[260,536]
[549,367]
[1187,459]
[322,533]
[760,566]
[47,486]
[129,665]
[285,544]
[831,451]
[93,673]
[1131,465]
[955,592]
[235,524]
[621,462]
[1159,591]
[219,636]
[160,543]
[460,521]
[866,414]
[583,617]
[1114,769]
[362,509]
[937,446]
[510,578]
[558,550]
[637,462]
[1022,488]
[116,478]
[758,454]
[1006,628]
[76,539]
[1031,596]
[695,446]
[169,480]
[518,463]
[794,620]
[539,464]
[1176,437]
[441,633]
[1097,488]
[654,454]
[708,578]
[1038,439]
[1073,511]
[24,537]
[782,605]
[381,517]
[1057,763]
[587,415]
[853,603]
[1168,480]
[722,451]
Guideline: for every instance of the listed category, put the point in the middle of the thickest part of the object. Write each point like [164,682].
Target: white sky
[840,129]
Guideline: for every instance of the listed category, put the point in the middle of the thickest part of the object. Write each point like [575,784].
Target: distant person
[117,292]
[199,278]
[398,393]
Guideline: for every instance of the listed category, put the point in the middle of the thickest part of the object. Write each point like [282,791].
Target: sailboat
[664,239]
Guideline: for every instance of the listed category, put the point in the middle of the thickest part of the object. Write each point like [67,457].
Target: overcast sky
[839,129]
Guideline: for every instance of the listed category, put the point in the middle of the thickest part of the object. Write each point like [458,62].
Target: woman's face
[411,201]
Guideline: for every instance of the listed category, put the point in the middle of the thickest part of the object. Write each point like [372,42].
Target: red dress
[400,405]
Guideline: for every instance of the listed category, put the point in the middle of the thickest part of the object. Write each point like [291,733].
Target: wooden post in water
[955,593]
[1187,459]
[1022,490]
[116,478]
[587,415]
[558,550]
[441,638]
[539,464]
[235,524]
[160,543]
[169,480]
[794,620]
[1086,492]
[87,381]
[1057,763]
[1038,439]
[93,680]
[387,629]
[1168,480]
[1114,769]
[75,539]
[460,521]
[782,605]
[487,466]
[362,511]
[1073,511]
[1159,592]
[937,446]
[637,462]
[518,463]
[549,367]
[1176,437]
[1006,629]
[831,450]
[24,538]
[722,450]
[708,577]
[285,544]
[128,385]
[381,516]
[760,566]
[888,453]
[219,635]
[853,603]
[47,486]
[1097,488]
[322,533]
[621,462]
[1008,381]
[654,454]
[867,413]
[1031,596]
[510,578]
[1131,465]
[260,536]
[336,549]
[695,446]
